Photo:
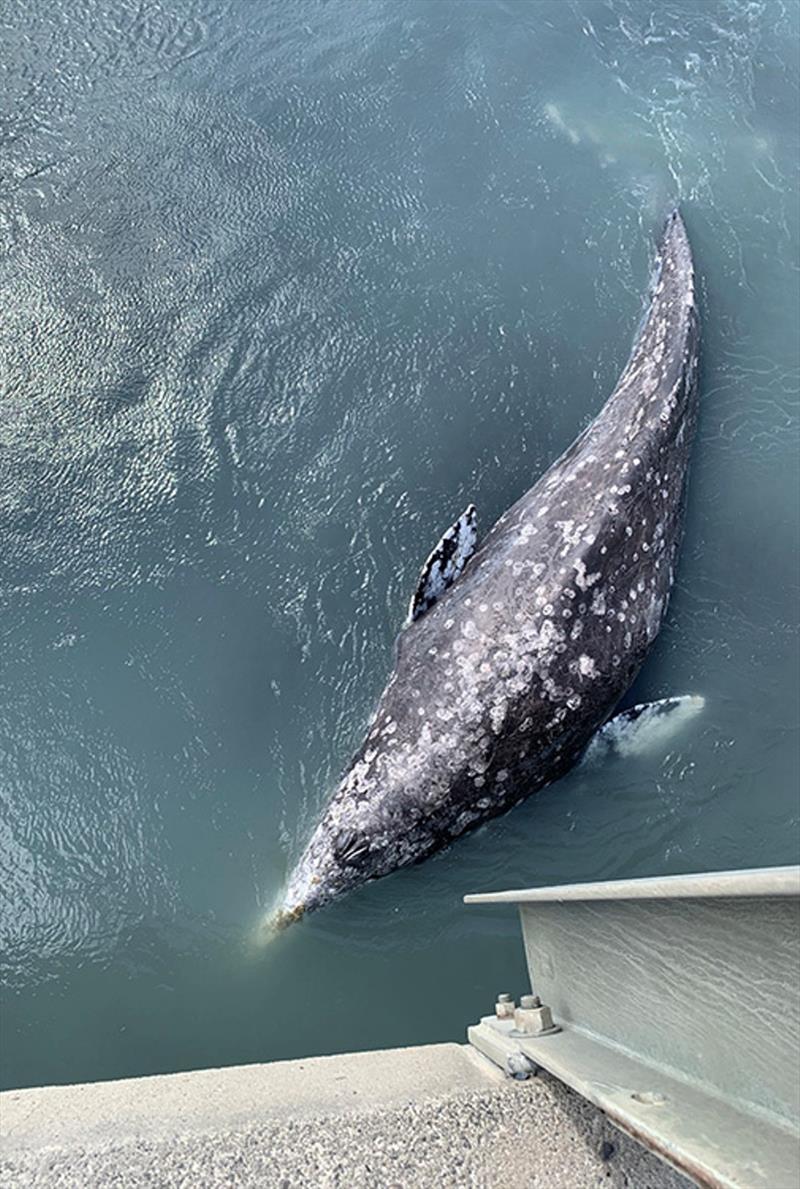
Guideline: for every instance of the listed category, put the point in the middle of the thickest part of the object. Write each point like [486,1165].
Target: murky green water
[284,286]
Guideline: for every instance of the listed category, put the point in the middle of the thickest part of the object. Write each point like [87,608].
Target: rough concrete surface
[437,1115]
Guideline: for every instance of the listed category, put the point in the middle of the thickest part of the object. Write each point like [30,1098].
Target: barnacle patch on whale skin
[445,563]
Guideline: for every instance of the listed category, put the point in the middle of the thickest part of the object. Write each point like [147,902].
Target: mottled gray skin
[498,688]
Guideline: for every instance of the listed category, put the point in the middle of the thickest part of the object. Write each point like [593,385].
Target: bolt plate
[719,1145]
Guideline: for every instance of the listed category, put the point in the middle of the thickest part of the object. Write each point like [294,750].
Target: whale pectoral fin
[643,728]
[445,563]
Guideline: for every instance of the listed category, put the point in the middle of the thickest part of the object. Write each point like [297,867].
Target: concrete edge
[101,1114]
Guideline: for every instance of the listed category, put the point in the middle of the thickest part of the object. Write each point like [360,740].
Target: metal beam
[757,881]
[678,1001]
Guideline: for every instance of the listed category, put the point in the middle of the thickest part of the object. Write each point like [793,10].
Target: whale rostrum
[515,653]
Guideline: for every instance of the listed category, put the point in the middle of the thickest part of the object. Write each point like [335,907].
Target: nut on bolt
[504,1008]
[534,1018]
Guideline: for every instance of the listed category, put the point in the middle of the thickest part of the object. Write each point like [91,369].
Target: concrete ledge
[212,1100]
[438,1115]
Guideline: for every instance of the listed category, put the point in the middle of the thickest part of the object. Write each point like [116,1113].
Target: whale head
[351,845]
[393,804]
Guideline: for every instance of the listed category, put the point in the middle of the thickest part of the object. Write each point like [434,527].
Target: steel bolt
[504,1007]
[533,1018]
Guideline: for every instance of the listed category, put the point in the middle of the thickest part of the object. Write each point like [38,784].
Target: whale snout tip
[279,921]
[285,917]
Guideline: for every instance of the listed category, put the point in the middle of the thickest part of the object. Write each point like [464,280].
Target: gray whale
[514,655]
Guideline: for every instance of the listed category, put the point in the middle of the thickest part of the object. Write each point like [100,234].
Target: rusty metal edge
[698,1173]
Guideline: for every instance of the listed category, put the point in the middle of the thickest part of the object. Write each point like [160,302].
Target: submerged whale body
[516,652]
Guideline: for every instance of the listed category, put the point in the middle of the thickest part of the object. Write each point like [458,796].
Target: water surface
[284,287]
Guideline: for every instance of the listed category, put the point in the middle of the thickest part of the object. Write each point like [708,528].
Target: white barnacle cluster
[586,666]
[583,580]
[570,534]
[598,603]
